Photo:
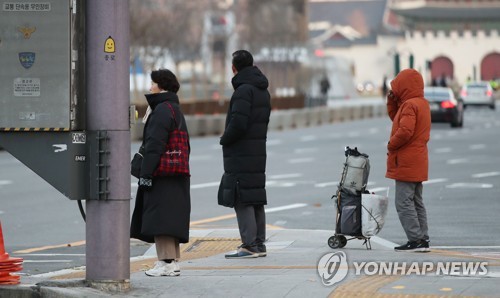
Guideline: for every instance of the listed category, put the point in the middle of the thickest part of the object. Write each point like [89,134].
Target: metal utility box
[35,65]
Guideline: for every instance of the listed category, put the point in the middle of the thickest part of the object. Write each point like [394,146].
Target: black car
[444,106]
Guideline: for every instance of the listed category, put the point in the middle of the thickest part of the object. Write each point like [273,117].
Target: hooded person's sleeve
[405,128]
[392,108]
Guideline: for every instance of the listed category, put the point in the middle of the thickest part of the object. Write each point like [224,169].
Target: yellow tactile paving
[368,287]
[362,287]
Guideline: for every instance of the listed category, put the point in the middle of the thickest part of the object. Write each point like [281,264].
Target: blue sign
[27,59]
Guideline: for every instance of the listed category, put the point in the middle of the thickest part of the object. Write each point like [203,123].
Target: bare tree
[266,23]
[166,28]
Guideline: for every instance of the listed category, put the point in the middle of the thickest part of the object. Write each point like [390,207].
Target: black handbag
[136,163]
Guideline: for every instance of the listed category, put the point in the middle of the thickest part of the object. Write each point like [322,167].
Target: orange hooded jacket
[409,111]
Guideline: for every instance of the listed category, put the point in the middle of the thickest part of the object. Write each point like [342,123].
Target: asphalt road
[462,196]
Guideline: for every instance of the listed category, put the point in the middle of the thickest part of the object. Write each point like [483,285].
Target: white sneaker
[163,268]
[176,267]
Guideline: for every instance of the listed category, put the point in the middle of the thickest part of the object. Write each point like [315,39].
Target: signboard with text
[35,59]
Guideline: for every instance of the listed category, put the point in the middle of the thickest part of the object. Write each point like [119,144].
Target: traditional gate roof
[447,10]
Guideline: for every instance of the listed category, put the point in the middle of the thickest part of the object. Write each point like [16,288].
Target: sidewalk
[289,270]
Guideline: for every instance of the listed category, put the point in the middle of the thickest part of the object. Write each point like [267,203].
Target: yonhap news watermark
[334,267]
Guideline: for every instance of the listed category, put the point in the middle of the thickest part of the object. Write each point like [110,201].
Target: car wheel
[492,106]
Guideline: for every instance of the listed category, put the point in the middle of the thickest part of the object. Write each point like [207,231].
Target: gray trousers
[411,210]
[252,225]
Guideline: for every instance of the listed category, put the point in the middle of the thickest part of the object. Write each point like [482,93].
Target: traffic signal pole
[107,123]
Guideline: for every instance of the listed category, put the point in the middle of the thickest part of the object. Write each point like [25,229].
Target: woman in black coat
[163,204]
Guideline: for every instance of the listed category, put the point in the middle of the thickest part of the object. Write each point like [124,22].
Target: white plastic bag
[373,211]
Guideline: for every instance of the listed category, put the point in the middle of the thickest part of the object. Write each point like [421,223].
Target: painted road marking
[272,183]
[308,138]
[469,185]
[325,184]
[301,160]
[47,261]
[286,207]
[280,223]
[305,150]
[203,185]
[431,181]
[273,142]
[285,176]
[5,182]
[443,150]
[54,255]
[477,146]
[457,161]
[488,174]
[60,272]
[229,216]
[30,250]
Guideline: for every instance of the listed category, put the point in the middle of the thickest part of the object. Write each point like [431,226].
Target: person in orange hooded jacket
[407,158]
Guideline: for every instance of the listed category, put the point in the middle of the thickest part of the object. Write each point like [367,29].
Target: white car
[478,93]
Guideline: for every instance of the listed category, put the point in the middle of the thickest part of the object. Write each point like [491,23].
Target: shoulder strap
[173,114]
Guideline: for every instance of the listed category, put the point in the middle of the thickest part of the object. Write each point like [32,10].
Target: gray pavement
[291,270]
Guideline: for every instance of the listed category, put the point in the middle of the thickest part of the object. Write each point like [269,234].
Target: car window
[439,96]
[477,86]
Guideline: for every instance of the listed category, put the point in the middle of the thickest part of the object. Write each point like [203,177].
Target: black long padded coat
[166,208]
[244,140]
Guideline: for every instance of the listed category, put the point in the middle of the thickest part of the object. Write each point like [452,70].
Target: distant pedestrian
[244,151]
[407,160]
[384,88]
[442,81]
[163,203]
[324,86]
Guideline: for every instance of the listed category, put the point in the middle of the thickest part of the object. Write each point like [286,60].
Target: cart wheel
[333,242]
[342,241]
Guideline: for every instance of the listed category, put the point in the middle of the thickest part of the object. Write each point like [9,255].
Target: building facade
[458,39]
[453,39]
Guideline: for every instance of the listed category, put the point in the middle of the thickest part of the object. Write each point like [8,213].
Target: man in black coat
[244,150]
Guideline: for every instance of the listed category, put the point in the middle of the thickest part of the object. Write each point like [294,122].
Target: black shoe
[242,253]
[262,252]
[414,246]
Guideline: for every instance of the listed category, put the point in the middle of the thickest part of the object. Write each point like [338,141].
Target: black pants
[252,225]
